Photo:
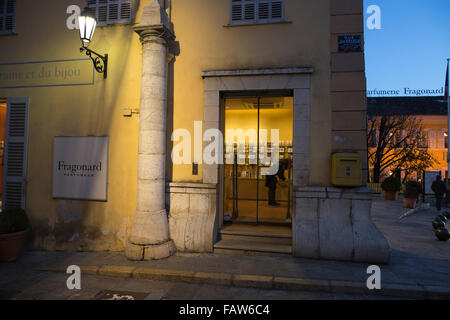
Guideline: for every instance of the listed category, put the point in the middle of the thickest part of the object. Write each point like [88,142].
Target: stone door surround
[295,79]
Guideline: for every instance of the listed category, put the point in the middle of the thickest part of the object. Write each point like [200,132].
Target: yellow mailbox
[346,170]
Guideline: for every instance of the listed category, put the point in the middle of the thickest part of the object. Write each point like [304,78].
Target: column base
[138,252]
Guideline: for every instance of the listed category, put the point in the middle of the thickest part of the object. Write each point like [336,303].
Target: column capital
[155,24]
[155,33]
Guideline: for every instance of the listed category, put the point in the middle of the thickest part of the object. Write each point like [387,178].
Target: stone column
[149,238]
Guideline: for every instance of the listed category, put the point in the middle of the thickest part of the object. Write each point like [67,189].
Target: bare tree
[397,142]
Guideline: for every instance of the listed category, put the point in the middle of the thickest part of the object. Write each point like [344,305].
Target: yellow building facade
[288,55]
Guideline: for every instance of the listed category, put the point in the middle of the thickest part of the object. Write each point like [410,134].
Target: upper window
[256,11]
[7,10]
[111,11]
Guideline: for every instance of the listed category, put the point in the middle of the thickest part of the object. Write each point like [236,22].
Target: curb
[264,282]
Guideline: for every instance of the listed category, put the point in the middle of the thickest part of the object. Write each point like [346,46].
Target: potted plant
[14,228]
[412,193]
[391,186]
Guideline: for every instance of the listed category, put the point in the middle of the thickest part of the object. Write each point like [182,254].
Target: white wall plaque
[430,176]
[80,168]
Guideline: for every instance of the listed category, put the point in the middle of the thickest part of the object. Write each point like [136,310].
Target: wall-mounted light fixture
[87,23]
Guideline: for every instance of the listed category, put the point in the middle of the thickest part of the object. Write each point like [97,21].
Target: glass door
[241,169]
[258,185]
[276,132]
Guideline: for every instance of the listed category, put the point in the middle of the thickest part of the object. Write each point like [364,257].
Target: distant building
[431,111]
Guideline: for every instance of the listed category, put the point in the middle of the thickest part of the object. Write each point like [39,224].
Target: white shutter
[263,10]
[256,11]
[236,10]
[16,153]
[250,10]
[432,139]
[7,14]
[276,12]
[441,140]
[111,11]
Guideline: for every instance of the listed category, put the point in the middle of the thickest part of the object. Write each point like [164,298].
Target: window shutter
[7,13]
[111,11]
[236,10]
[254,11]
[441,140]
[102,16]
[277,10]
[16,153]
[432,139]
[125,10]
[249,10]
[263,10]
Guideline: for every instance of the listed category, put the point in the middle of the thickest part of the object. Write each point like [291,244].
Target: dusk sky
[411,49]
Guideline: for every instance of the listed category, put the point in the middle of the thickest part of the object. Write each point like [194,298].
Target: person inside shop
[273,180]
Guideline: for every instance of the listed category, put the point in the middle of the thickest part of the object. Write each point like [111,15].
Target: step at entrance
[254,240]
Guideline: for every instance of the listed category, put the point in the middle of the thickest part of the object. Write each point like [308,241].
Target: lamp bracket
[100,62]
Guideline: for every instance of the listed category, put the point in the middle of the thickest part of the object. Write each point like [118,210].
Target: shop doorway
[253,124]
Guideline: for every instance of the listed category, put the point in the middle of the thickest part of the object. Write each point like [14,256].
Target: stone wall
[335,224]
[192,216]
[348,82]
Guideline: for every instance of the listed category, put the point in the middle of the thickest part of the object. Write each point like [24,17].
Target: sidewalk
[419,266]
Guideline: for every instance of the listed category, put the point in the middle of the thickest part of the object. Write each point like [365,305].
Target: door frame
[297,79]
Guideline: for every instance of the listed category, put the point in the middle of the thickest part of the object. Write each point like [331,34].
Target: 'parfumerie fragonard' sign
[80,168]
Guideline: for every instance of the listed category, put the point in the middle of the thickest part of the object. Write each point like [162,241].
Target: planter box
[410,203]
[390,195]
[12,245]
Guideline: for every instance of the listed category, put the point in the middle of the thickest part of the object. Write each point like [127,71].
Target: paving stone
[349,287]
[120,295]
[437,293]
[400,290]
[182,291]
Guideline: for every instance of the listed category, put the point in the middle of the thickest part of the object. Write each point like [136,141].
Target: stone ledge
[256,72]
[116,271]
[301,284]
[359,193]
[191,185]
[163,275]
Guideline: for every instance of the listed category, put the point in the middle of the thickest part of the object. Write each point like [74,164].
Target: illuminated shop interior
[246,187]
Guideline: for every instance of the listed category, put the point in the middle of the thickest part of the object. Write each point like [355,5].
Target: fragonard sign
[80,168]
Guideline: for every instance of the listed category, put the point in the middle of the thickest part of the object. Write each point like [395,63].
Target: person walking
[440,189]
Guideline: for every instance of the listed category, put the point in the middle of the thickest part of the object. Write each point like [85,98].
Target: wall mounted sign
[429,177]
[80,168]
[350,43]
[47,73]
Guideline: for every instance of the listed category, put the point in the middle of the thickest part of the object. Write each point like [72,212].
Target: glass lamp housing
[87,23]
